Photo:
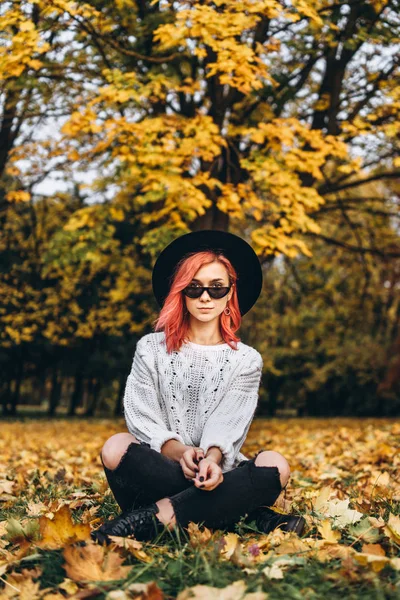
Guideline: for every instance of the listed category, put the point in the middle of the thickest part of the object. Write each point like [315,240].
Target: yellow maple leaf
[328,534]
[392,528]
[231,542]
[61,530]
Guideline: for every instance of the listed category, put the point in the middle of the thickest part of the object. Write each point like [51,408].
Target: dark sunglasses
[214,292]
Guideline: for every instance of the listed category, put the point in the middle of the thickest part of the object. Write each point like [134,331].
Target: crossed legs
[117,446]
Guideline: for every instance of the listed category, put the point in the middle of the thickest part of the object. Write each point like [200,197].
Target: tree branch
[325,189]
[381,253]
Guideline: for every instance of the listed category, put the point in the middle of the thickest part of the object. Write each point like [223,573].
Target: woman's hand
[189,461]
[211,474]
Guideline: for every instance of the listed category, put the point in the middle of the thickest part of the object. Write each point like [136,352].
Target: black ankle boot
[267,520]
[141,523]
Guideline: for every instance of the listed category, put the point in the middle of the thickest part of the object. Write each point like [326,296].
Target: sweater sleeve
[228,424]
[142,409]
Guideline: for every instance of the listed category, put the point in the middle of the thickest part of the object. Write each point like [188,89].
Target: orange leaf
[133,546]
[93,563]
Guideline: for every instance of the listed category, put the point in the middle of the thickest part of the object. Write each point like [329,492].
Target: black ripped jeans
[144,476]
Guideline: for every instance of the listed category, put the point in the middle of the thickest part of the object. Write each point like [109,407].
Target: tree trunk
[39,391]
[77,392]
[311,404]
[273,385]
[118,406]
[5,398]
[55,392]
[94,388]
[16,394]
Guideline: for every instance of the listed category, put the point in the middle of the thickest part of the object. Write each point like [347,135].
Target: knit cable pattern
[202,396]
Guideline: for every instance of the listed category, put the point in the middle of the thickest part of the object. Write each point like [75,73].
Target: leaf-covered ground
[345,481]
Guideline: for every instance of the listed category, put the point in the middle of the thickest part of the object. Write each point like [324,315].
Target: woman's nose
[205,292]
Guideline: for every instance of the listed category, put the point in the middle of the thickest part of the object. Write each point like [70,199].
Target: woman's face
[205,308]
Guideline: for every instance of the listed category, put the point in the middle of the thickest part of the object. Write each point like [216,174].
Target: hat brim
[242,256]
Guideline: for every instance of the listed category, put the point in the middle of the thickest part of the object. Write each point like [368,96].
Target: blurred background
[125,124]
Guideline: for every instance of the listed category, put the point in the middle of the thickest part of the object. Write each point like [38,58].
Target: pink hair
[174,316]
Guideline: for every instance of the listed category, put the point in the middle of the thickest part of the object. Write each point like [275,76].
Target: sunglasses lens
[193,292]
[218,292]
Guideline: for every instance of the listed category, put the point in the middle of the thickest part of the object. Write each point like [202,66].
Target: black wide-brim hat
[242,256]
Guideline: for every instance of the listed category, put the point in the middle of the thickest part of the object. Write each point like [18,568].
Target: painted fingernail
[201,478]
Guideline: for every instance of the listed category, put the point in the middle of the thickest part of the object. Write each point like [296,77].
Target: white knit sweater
[201,395]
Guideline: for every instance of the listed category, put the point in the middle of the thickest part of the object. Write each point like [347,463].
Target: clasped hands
[196,466]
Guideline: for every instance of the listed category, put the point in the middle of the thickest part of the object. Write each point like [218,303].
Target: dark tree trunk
[77,393]
[273,385]
[94,388]
[39,391]
[17,388]
[311,404]
[5,398]
[55,392]
[213,218]
[118,406]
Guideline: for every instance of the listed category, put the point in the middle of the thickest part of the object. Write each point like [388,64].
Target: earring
[227,309]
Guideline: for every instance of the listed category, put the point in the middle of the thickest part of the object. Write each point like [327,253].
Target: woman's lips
[204,308]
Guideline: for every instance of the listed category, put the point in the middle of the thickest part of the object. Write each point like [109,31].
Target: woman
[190,399]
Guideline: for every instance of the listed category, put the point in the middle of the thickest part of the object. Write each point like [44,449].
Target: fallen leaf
[235,591]
[22,586]
[327,533]
[36,508]
[61,530]
[373,555]
[6,486]
[93,563]
[338,510]
[26,530]
[147,591]
[373,549]
[197,537]
[231,541]
[392,528]
[365,531]
[69,586]
[134,547]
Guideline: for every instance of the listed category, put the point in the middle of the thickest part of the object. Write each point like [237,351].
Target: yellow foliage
[225,147]
[237,64]
[23,43]
[85,217]
[18,196]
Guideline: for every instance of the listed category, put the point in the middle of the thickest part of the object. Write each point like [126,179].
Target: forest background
[128,123]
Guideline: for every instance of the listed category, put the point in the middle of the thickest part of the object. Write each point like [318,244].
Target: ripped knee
[115,449]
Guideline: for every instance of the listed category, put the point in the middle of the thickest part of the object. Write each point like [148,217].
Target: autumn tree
[254,112]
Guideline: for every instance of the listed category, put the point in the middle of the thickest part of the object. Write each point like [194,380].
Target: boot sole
[297,526]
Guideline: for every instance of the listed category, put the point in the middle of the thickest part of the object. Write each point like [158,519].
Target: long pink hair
[174,318]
